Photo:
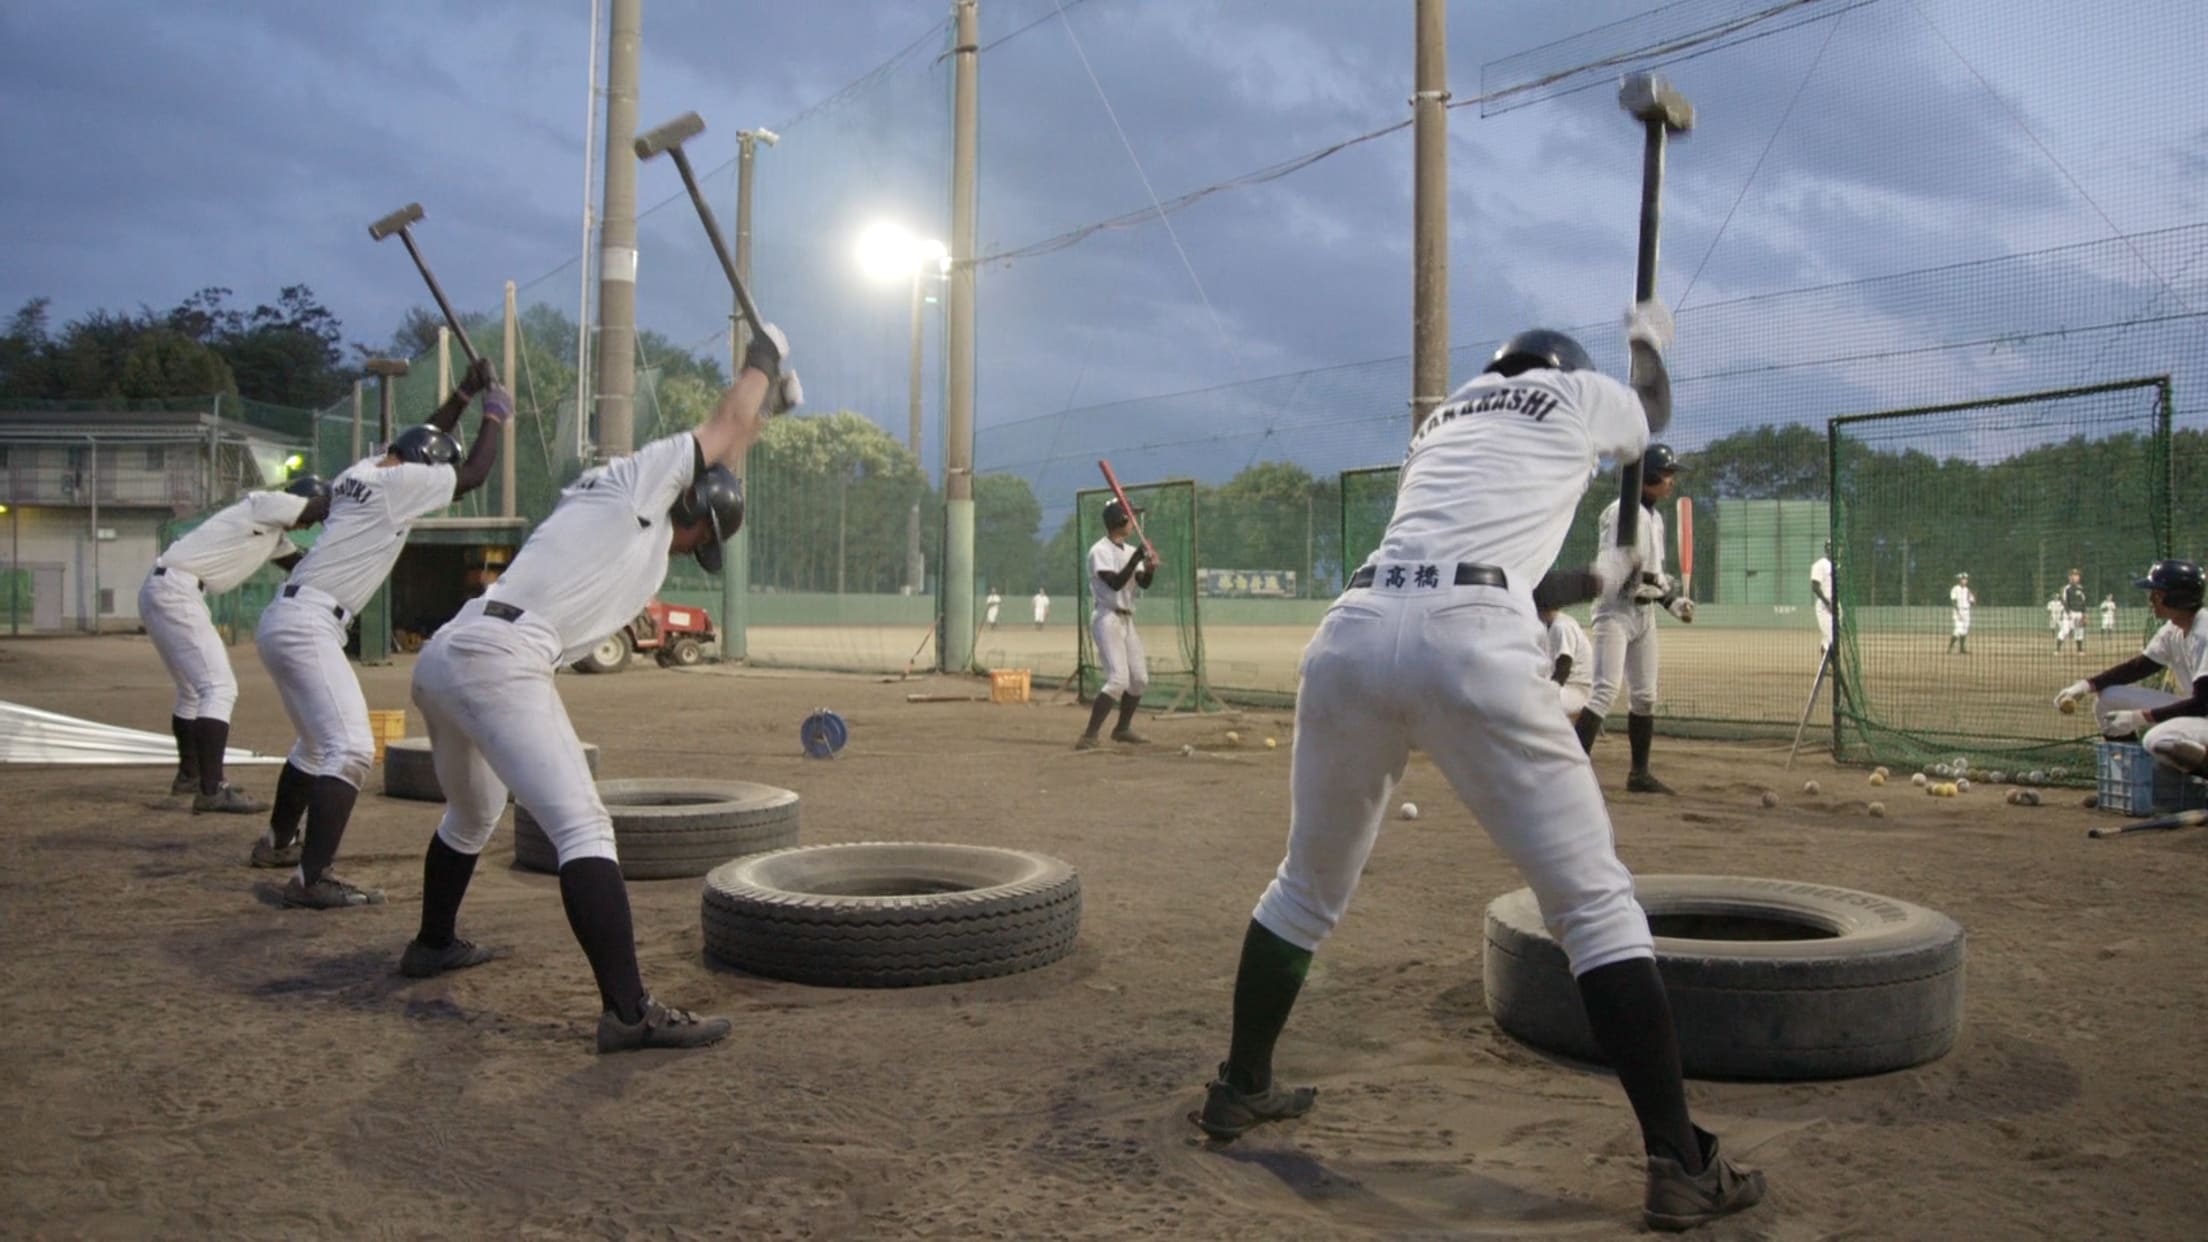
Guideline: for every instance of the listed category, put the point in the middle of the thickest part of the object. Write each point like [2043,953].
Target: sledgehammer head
[395,221]
[1650,98]
[669,136]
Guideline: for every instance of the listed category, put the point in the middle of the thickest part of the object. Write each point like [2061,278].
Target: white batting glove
[1682,608]
[1615,567]
[1649,323]
[2126,724]
[1651,589]
[786,394]
[2072,694]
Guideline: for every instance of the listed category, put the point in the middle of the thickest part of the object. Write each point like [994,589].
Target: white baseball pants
[2157,739]
[496,723]
[1457,673]
[1625,649]
[1119,651]
[302,642]
[1574,698]
[1962,625]
[174,612]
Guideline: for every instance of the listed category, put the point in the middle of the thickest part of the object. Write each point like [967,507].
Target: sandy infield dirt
[181,1056]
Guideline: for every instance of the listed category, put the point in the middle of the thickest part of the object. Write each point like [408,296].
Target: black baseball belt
[503,611]
[1468,574]
[291,591]
[162,571]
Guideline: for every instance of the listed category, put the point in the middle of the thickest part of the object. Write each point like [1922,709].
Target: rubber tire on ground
[877,914]
[686,653]
[409,773]
[660,841]
[611,655]
[1883,994]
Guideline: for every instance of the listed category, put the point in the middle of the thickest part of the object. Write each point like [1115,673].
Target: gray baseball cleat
[185,783]
[660,1027]
[1677,1199]
[1087,741]
[1228,1112]
[328,893]
[266,853]
[227,799]
[420,961]
[1128,737]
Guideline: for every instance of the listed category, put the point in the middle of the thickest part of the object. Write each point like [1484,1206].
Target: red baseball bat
[1686,547]
[1120,494]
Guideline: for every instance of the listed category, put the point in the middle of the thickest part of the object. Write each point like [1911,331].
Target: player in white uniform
[2073,613]
[2173,728]
[1820,590]
[485,687]
[2108,615]
[1571,659]
[1435,644]
[216,556]
[2054,622]
[1625,625]
[1042,607]
[1116,571]
[1960,601]
[990,607]
[302,633]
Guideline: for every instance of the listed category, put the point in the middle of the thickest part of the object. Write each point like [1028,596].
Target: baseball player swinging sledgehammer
[1435,644]
[485,686]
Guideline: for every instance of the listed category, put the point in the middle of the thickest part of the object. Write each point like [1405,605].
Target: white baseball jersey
[1484,470]
[1042,607]
[2183,652]
[1960,597]
[1651,538]
[1564,637]
[224,550]
[371,507]
[994,602]
[1820,576]
[2108,614]
[597,560]
[1106,557]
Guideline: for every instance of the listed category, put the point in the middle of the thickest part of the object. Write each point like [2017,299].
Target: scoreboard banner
[1248,583]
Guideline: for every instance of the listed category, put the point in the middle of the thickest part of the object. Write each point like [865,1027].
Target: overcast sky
[159,147]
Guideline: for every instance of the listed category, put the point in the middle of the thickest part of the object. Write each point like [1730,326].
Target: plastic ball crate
[2132,783]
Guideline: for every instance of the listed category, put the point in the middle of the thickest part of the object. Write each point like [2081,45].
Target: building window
[156,459]
[107,601]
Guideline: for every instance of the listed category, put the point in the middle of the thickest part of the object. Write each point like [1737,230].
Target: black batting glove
[480,376]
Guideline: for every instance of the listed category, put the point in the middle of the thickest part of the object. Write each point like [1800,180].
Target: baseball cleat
[266,853]
[420,961]
[328,893]
[1229,1113]
[1677,1199]
[185,783]
[660,1027]
[227,799]
[1642,782]
[1087,741]
[1128,737]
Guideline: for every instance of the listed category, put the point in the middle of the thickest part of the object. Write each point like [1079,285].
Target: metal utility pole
[385,370]
[506,438]
[736,566]
[916,568]
[617,237]
[1430,215]
[957,592]
[92,469]
[357,447]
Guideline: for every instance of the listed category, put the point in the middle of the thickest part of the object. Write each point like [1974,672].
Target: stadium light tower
[889,252]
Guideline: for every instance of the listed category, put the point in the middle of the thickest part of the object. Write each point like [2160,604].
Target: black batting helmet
[717,499]
[2181,583]
[426,446]
[1115,514]
[1536,348]
[308,487]
[1659,462]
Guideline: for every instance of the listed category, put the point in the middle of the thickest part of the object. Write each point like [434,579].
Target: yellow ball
[2069,706]
[1878,778]
[1878,810]
[1272,744]
[1234,737]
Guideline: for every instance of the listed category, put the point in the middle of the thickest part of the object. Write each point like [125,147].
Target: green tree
[1063,558]
[1007,519]
[162,363]
[1274,515]
[827,504]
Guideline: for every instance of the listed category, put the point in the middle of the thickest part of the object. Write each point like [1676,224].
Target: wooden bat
[1686,547]
[2183,819]
[946,698]
[1120,494]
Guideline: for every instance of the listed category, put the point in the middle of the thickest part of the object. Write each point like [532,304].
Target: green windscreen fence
[1167,614]
[2015,492]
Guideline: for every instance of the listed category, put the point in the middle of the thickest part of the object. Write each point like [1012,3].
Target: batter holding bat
[1117,572]
[302,633]
[2173,728]
[216,556]
[1436,644]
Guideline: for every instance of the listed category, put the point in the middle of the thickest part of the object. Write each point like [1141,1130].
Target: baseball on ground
[1234,737]
[1878,778]
[1812,787]
[1272,743]
[1769,798]
[1918,779]
[1877,810]
[1962,786]
[1409,810]
[1186,749]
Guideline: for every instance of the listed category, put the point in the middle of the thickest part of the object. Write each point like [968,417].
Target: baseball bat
[1120,494]
[668,140]
[1662,111]
[1686,547]
[401,222]
[2183,819]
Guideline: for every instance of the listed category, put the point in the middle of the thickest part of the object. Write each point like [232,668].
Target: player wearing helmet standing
[1625,625]
[485,687]
[302,632]
[1435,644]
[2172,727]
[1116,570]
[216,556]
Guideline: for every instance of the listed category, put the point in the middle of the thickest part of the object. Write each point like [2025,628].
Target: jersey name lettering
[353,489]
[1533,404]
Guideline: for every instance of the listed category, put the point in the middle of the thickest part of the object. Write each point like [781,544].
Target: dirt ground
[182,1056]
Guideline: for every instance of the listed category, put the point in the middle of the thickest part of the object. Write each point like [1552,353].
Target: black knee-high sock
[1265,988]
[290,803]
[210,737]
[1127,705]
[1097,712]
[1589,725]
[1640,734]
[329,806]
[1631,1017]
[187,753]
[597,902]
[445,875]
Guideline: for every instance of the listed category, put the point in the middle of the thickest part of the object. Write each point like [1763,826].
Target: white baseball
[1187,749]
[1769,799]
[1272,743]
[1812,787]
[1878,810]
[1234,737]
[1962,786]
[1918,779]
[1409,810]
[1878,778]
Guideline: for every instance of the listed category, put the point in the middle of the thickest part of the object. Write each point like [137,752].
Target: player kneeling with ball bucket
[485,687]
[2173,728]
[1436,644]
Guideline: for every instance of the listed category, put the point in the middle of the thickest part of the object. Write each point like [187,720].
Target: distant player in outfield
[2108,615]
[2055,622]
[1960,600]
[989,609]
[1571,659]
[1042,607]
[2073,611]
[1820,589]
[2172,727]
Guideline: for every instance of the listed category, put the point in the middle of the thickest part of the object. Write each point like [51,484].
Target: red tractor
[673,633]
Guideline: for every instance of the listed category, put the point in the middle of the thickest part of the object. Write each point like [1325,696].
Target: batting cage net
[1166,615]
[1957,530]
